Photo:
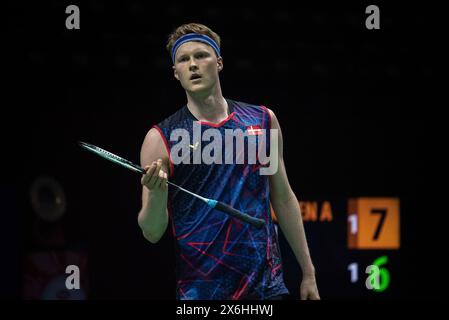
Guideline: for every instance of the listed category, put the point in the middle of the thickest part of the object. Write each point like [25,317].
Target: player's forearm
[153,218]
[289,217]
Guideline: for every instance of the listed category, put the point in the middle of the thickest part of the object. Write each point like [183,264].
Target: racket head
[111,157]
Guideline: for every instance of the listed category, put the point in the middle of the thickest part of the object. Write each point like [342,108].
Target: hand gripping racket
[223,207]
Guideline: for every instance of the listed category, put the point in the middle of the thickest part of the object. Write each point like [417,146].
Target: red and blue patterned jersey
[218,256]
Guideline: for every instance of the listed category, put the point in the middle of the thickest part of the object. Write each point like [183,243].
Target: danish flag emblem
[254,130]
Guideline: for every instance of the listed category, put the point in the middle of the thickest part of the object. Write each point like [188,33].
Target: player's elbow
[152,237]
[153,233]
[282,198]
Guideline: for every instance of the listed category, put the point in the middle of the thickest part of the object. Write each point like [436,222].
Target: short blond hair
[191,28]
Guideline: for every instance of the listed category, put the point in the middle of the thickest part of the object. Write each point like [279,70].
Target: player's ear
[175,73]
[219,64]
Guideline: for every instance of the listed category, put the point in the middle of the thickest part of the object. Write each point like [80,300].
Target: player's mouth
[195,77]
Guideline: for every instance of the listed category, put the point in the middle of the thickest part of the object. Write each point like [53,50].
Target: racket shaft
[218,205]
[223,207]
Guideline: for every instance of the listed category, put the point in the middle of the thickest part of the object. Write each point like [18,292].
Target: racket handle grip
[256,222]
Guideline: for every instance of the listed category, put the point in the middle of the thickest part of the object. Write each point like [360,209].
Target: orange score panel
[374,223]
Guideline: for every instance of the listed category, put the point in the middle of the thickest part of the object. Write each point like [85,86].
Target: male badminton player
[218,257]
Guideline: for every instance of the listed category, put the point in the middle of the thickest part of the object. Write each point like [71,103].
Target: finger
[164,182]
[147,177]
[160,182]
[150,169]
[154,179]
[144,179]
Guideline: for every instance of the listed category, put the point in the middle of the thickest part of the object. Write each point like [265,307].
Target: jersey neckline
[216,125]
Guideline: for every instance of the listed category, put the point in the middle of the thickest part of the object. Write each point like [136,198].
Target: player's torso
[220,256]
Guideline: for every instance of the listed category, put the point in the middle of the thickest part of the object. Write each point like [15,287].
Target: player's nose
[193,66]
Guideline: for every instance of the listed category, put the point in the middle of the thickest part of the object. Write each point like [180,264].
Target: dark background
[353,105]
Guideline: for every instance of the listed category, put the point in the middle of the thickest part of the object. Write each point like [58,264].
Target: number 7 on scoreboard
[373,223]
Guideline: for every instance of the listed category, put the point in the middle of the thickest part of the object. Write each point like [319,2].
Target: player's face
[197,66]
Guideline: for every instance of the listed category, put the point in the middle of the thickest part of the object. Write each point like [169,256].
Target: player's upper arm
[280,189]
[153,148]
[275,125]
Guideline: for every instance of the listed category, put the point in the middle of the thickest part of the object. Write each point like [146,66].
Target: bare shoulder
[153,136]
[270,112]
[274,119]
[153,148]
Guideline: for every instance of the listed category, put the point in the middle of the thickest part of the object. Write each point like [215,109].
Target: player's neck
[212,108]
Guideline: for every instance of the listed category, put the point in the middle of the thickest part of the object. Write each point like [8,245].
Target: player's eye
[202,55]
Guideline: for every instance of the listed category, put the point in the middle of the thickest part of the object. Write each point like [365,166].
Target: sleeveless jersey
[218,256]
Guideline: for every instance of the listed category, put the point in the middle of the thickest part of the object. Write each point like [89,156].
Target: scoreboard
[355,247]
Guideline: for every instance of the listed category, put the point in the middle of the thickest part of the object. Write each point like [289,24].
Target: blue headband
[194,37]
